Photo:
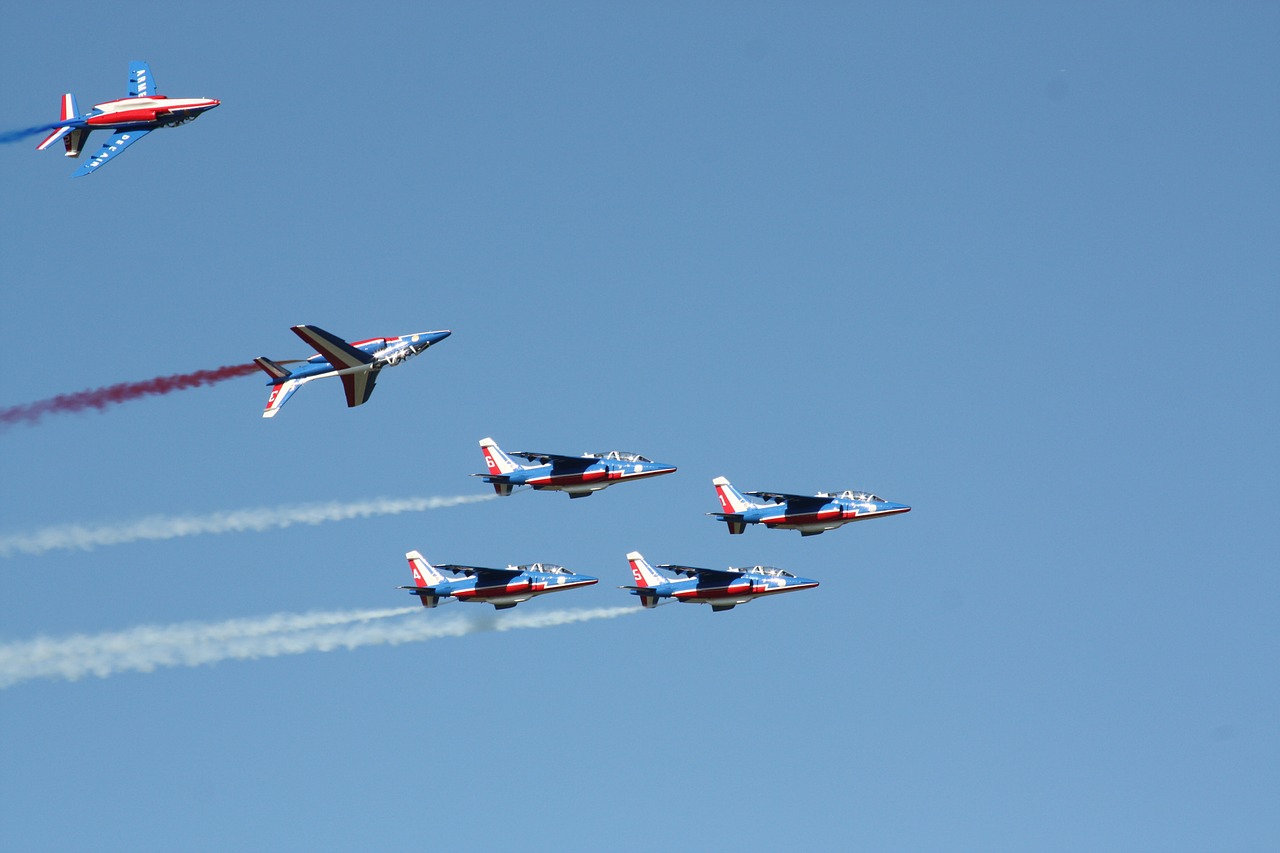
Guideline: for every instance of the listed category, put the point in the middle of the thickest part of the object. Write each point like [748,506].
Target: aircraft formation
[358,363]
[579,476]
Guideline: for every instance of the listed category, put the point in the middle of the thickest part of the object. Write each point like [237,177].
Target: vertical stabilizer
[731,500]
[644,574]
[646,578]
[497,462]
[426,580]
[425,575]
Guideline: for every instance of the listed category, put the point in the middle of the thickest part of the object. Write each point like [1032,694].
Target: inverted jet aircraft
[357,364]
[503,588]
[810,514]
[577,475]
[131,118]
[723,589]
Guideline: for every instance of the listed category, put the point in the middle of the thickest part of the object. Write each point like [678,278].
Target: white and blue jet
[723,589]
[356,364]
[577,475]
[810,514]
[503,588]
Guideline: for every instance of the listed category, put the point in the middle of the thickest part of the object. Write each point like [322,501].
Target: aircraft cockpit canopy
[771,571]
[549,568]
[620,456]
[857,496]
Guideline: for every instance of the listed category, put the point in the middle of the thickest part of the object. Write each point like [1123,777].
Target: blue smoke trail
[9,136]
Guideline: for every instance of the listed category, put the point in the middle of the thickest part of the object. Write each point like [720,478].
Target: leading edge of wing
[694,571]
[559,458]
[458,568]
[783,496]
[110,150]
[335,350]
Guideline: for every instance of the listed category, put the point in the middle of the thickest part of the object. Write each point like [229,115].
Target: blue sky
[1013,266]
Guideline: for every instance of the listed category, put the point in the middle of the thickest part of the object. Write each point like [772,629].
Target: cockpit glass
[621,456]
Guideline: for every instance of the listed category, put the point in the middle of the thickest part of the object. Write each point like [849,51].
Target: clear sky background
[1012,265]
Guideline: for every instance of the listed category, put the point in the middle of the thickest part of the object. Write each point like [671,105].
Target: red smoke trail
[100,398]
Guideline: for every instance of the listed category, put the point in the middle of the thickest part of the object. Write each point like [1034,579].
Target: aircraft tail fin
[645,575]
[497,461]
[731,500]
[275,371]
[426,578]
[424,574]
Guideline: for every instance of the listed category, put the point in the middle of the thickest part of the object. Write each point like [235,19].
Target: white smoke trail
[82,537]
[144,648]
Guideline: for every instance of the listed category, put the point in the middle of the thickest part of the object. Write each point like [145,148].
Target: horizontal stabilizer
[272,369]
[428,595]
[501,483]
[648,598]
[737,521]
[281,393]
[54,137]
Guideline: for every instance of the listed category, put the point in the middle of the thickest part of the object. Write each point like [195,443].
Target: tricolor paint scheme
[357,364]
[577,475]
[503,588]
[810,514]
[723,589]
[131,118]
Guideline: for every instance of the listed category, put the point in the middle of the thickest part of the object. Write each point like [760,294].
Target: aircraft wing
[110,150]
[141,83]
[484,576]
[335,350]
[560,460]
[359,386]
[721,575]
[794,501]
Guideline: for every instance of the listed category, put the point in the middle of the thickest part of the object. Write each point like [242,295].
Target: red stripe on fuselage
[567,479]
[735,590]
[818,517]
[523,587]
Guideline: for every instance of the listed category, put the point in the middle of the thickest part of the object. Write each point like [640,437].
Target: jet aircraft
[577,475]
[723,589]
[357,364]
[130,118]
[810,514]
[503,588]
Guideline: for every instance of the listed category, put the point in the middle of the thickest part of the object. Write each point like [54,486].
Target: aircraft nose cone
[899,507]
